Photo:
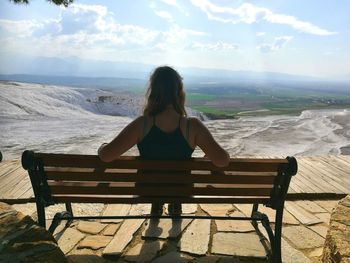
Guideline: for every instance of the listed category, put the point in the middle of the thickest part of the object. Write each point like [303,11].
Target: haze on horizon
[295,37]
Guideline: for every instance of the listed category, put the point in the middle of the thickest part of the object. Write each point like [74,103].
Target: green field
[264,102]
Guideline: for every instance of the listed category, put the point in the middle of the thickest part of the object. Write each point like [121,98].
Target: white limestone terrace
[77,120]
[21,100]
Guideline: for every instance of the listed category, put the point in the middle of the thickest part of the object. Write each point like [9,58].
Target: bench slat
[153,190]
[129,162]
[160,178]
[143,200]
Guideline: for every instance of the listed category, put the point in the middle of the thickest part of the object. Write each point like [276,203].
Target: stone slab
[115,210]
[69,239]
[144,251]
[310,206]
[325,217]
[238,244]
[186,208]
[195,240]
[321,230]
[27,209]
[316,252]
[51,210]
[90,227]
[140,209]
[217,209]
[245,208]
[302,237]
[110,229]
[234,225]
[301,214]
[87,209]
[95,242]
[123,237]
[173,257]
[83,251]
[327,204]
[291,255]
[287,217]
[165,228]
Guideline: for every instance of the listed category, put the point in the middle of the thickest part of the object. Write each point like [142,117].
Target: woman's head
[165,89]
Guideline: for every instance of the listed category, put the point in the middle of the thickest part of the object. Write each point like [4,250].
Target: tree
[56,2]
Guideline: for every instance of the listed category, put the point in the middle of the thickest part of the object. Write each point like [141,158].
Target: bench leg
[55,222]
[266,224]
[61,215]
[69,208]
[40,208]
[277,256]
[255,208]
[69,213]
[58,218]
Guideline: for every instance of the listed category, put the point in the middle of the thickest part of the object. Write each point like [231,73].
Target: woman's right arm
[205,140]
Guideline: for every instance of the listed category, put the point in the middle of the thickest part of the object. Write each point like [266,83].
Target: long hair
[165,88]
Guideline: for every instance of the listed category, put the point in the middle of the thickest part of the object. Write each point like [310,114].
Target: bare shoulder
[136,125]
[195,123]
[138,122]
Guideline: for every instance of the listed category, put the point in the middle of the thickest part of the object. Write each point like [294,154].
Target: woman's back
[162,141]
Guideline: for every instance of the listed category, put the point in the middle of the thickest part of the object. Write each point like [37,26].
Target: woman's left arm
[126,139]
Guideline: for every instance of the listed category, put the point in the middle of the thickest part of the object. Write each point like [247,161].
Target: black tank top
[160,145]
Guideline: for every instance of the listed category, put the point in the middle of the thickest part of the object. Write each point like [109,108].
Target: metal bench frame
[35,166]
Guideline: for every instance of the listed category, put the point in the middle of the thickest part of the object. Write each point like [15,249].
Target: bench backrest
[85,178]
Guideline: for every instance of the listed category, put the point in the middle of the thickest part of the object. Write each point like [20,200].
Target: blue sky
[290,36]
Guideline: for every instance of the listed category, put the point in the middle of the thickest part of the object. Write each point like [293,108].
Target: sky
[289,36]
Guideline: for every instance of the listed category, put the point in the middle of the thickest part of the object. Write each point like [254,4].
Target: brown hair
[165,88]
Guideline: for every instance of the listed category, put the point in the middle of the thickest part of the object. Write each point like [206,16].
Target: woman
[164,131]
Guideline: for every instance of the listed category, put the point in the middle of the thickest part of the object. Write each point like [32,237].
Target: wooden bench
[67,178]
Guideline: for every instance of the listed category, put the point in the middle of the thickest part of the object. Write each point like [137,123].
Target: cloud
[100,10]
[85,29]
[218,46]
[95,25]
[171,2]
[82,30]
[164,14]
[277,44]
[176,38]
[20,28]
[260,34]
[79,17]
[249,13]
[174,3]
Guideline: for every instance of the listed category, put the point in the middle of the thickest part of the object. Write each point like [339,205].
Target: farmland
[259,102]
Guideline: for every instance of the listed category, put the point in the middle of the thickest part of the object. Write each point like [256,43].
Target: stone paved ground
[200,241]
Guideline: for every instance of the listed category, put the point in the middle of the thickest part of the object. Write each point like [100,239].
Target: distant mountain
[121,84]
[73,66]
[73,71]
